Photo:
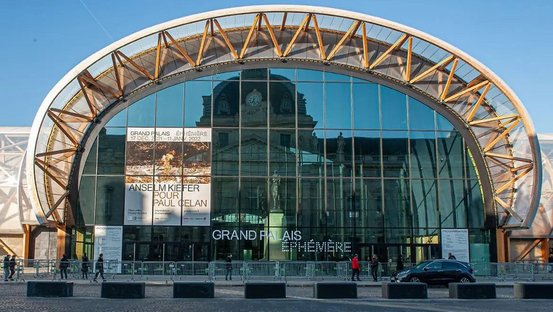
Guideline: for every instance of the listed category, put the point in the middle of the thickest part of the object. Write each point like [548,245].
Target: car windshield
[422,264]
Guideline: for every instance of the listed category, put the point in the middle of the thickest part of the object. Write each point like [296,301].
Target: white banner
[108,240]
[168,176]
[456,243]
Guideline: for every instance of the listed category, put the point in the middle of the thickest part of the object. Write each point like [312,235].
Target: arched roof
[87,96]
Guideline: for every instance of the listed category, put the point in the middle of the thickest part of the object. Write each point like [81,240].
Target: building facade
[283,133]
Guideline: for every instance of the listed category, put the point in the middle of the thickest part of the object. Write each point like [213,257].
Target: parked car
[438,271]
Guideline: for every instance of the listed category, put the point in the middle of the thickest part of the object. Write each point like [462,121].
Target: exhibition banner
[168,176]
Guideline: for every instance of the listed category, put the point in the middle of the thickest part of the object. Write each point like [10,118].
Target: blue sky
[43,40]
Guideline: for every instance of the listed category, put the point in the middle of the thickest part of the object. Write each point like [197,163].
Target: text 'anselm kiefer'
[290,240]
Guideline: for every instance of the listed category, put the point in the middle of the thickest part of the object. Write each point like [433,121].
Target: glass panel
[421,117]
[254,74]
[310,75]
[254,104]
[397,210]
[310,105]
[111,151]
[254,200]
[339,197]
[339,151]
[119,120]
[425,205]
[197,103]
[338,105]
[86,201]
[142,113]
[170,106]
[225,201]
[475,204]
[312,158]
[311,206]
[443,124]
[369,201]
[253,152]
[423,155]
[226,103]
[110,200]
[91,161]
[225,151]
[365,106]
[394,109]
[395,153]
[328,76]
[367,153]
[282,74]
[453,206]
[283,152]
[283,105]
[450,155]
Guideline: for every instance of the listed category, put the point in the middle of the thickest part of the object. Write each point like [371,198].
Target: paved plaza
[230,297]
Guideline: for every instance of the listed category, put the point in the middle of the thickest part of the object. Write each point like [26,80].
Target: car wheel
[414,279]
[464,279]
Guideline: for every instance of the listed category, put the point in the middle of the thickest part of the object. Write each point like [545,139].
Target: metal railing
[258,270]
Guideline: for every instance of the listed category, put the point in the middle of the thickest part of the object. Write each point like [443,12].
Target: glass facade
[319,155]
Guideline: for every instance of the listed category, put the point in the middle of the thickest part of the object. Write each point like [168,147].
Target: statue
[340,148]
[286,103]
[275,188]
[315,143]
[224,106]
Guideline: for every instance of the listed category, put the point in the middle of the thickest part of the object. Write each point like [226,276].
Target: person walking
[12,267]
[355,268]
[6,265]
[84,266]
[450,256]
[374,268]
[228,267]
[64,264]
[100,268]
[399,264]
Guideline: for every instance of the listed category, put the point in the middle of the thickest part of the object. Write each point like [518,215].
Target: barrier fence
[257,270]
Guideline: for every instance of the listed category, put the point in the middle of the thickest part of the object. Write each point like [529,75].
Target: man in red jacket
[355,268]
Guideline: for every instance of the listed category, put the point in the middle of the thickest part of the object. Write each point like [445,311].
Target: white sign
[456,242]
[108,240]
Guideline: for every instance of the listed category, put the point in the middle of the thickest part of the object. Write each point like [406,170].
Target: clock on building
[253,98]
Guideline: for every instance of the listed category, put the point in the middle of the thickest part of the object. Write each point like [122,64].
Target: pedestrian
[355,268]
[84,266]
[374,268]
[399,265]
[100,268]
[228,267]
[64,264]
[6,265]
[12,267]
[450,256]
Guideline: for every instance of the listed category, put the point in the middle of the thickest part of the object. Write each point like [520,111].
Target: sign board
[108,240]
[456,242]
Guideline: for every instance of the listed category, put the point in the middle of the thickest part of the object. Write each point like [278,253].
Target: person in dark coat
[399,265]
[6,265]
[228,267]
[100,268]
[64,264]
[355,269]
[84,266]
[374,268]
[12,267]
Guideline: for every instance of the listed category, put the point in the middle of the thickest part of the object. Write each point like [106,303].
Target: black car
[438,272]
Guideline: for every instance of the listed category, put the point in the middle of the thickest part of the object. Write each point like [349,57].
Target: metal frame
[455,81]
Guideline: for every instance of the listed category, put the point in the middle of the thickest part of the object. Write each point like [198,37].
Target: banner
[168,176]
[108,240]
